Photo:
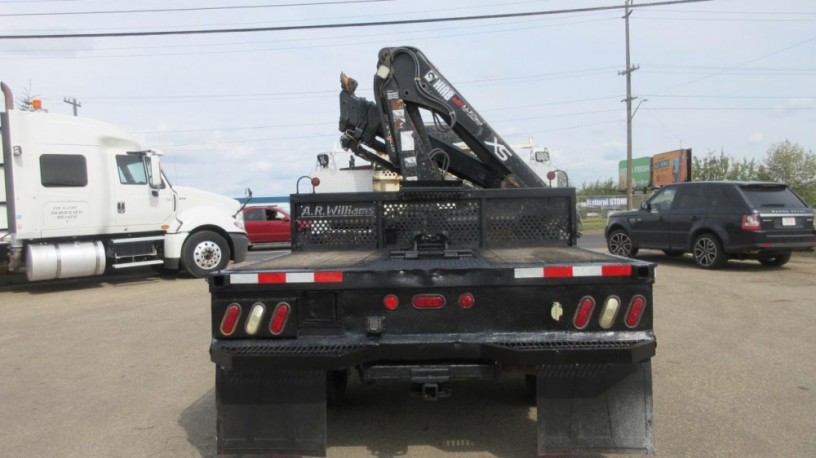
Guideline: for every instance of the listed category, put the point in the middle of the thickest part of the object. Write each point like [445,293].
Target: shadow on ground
[486,418]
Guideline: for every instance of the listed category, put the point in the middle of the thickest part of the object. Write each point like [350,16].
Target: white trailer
[82,197]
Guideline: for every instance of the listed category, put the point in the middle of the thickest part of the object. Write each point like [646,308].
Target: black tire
[205,252]
[673,252]
[708,252]
[620,243]
[774,260]
[336,384]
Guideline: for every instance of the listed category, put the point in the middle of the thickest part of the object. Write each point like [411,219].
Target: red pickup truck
[267,224]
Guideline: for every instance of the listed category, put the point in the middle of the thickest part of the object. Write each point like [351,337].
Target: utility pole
[628,72]
[72,101]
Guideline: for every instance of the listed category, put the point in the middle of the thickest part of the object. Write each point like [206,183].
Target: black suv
[716,221]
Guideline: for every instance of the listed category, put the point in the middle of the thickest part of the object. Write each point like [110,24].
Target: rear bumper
[765,241]
[332,353]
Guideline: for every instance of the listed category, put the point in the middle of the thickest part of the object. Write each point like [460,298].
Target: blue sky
[254,109]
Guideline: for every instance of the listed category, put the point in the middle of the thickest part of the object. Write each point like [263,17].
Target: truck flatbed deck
[363,259]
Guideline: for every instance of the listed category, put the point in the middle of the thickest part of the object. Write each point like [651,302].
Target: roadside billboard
[641,173]
[671,167]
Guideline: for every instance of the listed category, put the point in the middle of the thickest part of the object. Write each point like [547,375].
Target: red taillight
[428,301]
[230,319]
[279,317]
[750,222]
[466,300]
[584,312]
[391,302]
[636,308]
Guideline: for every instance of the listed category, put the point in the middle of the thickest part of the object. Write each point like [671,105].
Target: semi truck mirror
[154,167]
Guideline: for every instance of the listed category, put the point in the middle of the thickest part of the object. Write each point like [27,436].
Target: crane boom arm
[405,83]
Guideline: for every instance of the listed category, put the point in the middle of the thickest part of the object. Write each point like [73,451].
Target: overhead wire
[342,25]
[181,10]
[289,40]
[332,43]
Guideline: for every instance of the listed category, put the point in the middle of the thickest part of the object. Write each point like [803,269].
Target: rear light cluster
[750,222]
[277,322]
[608,312]
[429,301]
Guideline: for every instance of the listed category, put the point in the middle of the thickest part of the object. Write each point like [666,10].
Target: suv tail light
[750,222]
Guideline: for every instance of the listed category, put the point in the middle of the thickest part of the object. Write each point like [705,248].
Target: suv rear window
[778,196]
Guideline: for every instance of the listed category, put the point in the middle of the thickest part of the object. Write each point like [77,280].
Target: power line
[300,94]
[773,53]
[333,43]
[177,10]
[289,40]
[340,25]
[337,18]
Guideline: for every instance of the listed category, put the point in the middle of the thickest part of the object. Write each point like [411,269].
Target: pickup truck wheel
[708,252]
[205,252]
[620,243]
[775,260]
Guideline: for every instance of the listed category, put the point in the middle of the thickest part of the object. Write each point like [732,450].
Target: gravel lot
[119,367]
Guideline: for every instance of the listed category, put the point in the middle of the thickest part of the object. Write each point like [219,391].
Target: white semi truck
[81,197]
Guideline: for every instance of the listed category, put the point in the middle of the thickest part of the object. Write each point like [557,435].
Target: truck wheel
[204,252]
[775,260]
[708,252]
[620,243]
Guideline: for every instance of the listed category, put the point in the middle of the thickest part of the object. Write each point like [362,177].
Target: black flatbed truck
[434,283]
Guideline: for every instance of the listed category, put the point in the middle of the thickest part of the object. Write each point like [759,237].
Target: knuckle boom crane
[405,83]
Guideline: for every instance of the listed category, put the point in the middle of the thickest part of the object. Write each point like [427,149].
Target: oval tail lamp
[279,318]
[254,319]
[636,307]
[609,312]
[230,320]
[428,301]
[584,312]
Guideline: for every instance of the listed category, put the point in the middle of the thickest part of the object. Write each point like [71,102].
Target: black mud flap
[595,408]
[270,412]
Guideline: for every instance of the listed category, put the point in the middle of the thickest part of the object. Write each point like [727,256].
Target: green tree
[789,163]
[712,167]
[599,187]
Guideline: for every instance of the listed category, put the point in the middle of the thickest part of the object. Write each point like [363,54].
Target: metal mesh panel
[459,219]
[540,219]
[338,225]
[391,220]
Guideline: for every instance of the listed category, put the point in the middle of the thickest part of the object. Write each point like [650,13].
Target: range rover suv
[715,222]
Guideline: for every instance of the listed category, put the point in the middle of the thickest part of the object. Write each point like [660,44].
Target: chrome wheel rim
[705,251]
[207,255]
[620,244]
